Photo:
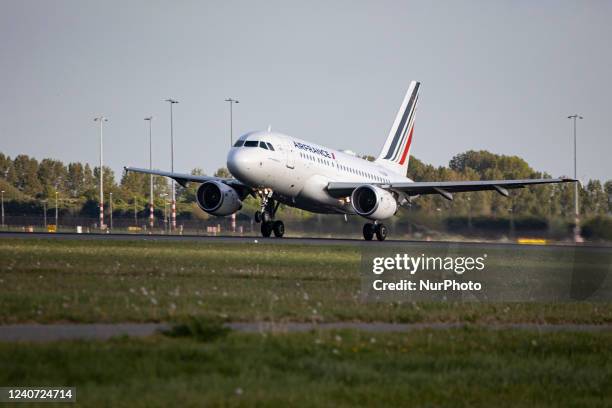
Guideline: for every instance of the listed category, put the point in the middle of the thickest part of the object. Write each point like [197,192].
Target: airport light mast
[164,195]
[110,201]
[151,214]
[56,212]
[45,213]
[101,119]
[231,104]
[172,102]
[574,117]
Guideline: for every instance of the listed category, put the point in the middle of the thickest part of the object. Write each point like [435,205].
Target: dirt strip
[406,327]
[72,331]
[104,331]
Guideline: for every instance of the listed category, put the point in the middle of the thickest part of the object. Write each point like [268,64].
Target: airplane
[277,168]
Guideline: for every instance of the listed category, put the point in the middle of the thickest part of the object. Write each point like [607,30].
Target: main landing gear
[369,230]
[265,216]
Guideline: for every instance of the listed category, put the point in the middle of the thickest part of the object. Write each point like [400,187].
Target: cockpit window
[251,143]
[262,144]
[270,146]
[238,143]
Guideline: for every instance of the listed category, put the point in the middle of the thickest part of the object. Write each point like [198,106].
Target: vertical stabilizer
[396,151]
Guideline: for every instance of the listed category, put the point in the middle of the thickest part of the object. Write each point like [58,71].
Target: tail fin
[395,153]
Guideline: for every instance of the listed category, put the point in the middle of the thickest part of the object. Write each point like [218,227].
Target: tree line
[29,181]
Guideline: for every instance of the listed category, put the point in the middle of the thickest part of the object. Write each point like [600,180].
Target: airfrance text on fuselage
[315,150]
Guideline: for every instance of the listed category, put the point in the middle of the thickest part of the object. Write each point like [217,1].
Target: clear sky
[496,75]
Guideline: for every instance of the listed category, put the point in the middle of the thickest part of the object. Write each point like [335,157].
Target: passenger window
[251,143]
[270,146]
[262,144]
[238,143]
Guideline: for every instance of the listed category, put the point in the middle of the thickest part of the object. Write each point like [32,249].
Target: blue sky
[501,76]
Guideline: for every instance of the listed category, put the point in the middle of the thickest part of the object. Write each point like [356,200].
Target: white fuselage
[298,171]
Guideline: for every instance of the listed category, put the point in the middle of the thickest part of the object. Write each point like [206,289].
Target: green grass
[453,368]
[114,281]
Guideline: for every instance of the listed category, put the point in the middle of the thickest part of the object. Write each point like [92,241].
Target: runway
[229,239]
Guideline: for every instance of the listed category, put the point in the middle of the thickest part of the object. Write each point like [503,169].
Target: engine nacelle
[217,198]
[373,202]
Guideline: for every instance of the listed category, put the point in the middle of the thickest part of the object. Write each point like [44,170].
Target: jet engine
[217,198]
[373,202]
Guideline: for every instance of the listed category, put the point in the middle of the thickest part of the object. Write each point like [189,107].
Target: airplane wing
[183,179]
[444,188]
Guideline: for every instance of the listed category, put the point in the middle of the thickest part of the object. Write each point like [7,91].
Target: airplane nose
[239,163]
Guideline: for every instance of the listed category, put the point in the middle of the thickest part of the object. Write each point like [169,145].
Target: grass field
[199,362]
[453,368]
[117,281]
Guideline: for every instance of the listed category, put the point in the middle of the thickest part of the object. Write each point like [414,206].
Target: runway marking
[531,241]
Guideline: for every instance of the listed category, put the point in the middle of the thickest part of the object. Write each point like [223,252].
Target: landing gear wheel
[266,229]
[381,232]
[368,231]
[258,216]
[279,229]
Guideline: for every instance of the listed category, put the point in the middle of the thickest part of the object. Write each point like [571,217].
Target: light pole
[2,208]
[56,217]
[163,196]
[469,200]
[151,214]
[111,210]
[135,213]
[576,212]
[45,212]
[172,102]
[101,119]
[231,104]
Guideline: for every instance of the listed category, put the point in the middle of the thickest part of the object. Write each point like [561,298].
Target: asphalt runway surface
[105,331]
[229,239]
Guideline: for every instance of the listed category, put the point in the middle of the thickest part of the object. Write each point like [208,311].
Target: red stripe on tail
[403,159]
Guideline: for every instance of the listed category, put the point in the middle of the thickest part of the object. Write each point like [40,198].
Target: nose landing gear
[265,216]
[370,229]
